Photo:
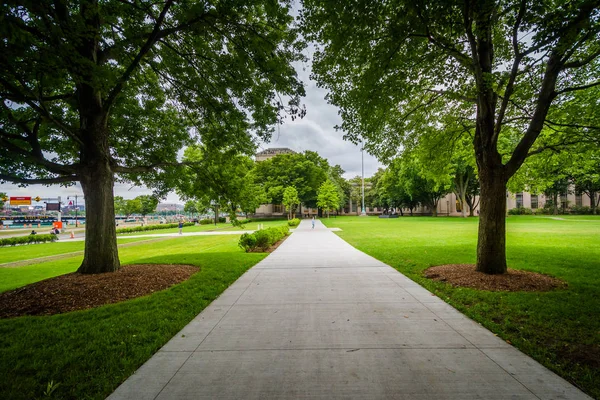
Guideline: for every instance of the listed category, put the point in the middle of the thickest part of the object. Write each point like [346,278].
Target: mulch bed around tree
[77,291]
[465,275]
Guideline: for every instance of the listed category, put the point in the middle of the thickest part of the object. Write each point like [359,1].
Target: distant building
[270,153]
[168,207]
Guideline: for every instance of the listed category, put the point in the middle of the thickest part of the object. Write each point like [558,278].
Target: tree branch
[513,74]
[453,95]
[575,88]
[40,109]
[583,62]
[43,181]
[154,36]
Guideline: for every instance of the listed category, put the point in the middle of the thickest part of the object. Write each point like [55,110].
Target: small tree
[148,204]
[328,196]
[290,200]
[190,208]
[119,205]
[133,206]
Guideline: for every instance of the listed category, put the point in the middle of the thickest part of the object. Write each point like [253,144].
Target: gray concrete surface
[319,319]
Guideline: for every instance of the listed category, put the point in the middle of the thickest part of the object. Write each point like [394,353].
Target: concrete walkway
[319,319]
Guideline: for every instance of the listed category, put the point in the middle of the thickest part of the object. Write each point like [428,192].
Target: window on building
[563,201]
[458,207]
[578,199]
[519,200]
[534,201]
[353,207]
[278,209]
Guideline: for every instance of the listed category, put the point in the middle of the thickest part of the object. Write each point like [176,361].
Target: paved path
[319,319]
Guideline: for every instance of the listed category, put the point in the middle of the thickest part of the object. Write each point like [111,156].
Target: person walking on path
[180,227]
[313,223]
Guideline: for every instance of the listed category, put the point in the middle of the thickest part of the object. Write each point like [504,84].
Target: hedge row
[151,227]
[209,221]
[263,239]
[294,222]
[13,241]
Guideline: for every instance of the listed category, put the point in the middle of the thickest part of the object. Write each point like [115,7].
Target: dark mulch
[465,275]
[76,291]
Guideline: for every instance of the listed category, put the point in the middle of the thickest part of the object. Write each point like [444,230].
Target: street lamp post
[76,208]
[362,161]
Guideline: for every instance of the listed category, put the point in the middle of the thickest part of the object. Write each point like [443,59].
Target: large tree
[222,178]
[499,67]
[304,171]
[93,91]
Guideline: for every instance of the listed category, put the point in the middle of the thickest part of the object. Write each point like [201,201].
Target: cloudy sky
[314,132]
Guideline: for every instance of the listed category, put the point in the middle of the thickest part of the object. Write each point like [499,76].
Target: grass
[89,353]
[18,253]
[560,329]
[212,227]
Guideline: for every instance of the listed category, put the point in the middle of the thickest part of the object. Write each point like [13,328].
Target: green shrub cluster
[151,227]
[520,211]
[263,239]
[13,241]
[209,221]
[580,210]
[294,222]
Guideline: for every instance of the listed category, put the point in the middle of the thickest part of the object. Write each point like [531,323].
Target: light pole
[362,162]
[76,208]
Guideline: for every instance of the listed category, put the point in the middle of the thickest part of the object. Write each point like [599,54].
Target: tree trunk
[491,243]
[555,201]
[101,252]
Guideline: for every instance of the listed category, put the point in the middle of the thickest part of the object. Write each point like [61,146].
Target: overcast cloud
[314,132]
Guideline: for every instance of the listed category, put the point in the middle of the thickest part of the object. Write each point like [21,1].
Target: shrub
[520,211]
[294,222]
[263,238]
[28,239]
[580,210]
[247,241]
[133,229]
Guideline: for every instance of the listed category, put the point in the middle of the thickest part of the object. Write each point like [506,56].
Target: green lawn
[89,353]
[556,328]
[205,228]
[26,252]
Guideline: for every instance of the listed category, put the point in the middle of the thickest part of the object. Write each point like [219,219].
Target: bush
[580,210]
[294,222]
[247,241]
[520,211]
[151,227]
[28,239]
[263,238]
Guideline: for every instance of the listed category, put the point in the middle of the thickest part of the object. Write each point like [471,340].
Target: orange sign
[20,201]
[57,224]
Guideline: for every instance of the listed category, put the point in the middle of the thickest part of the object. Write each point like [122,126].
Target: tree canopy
[305,171]
[502,69]
[96,91]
